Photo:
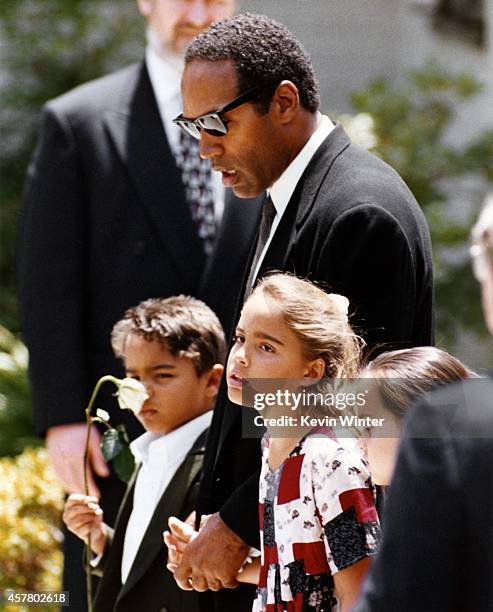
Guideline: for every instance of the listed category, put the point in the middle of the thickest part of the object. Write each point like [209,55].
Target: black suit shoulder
[97,95]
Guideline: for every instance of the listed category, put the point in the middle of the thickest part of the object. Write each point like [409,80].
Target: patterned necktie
[268,214]
[197,181]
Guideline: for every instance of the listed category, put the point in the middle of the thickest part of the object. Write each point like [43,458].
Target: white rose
[131,395]
[103,415]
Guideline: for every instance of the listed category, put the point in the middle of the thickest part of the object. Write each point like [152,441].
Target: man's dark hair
[185,326]
[264,53]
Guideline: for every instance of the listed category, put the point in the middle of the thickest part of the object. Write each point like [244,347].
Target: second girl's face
[264,347]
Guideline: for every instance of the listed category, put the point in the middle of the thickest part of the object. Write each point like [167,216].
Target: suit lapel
[281,250]
[170,504]
[140,139]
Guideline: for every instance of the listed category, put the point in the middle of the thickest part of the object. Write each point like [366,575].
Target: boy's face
[177,393]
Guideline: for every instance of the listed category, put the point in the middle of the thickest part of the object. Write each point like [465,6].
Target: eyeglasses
[213,123]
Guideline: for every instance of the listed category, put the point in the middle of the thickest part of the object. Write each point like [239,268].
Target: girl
[318,520]
[399,378]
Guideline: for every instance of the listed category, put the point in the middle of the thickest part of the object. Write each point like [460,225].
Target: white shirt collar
[165,77]
[161,455]
[282,190]
[172,446]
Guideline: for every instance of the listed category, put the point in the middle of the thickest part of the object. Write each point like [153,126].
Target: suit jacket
[353,225]
[436,551]
[149,583]
[105,225]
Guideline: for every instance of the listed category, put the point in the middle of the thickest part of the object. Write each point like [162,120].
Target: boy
[175,347]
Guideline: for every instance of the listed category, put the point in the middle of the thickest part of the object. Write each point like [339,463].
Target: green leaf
[112,444]
[115,447]
[124,464]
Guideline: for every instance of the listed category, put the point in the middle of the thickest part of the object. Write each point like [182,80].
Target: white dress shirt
[282,190]
[165,78]
[160,455]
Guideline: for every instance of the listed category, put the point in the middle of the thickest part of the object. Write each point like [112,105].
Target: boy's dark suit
[353,225]
[149,584]
[105,225]
[436,552]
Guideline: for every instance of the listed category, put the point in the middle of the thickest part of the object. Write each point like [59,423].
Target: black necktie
[268,214]
[197,181]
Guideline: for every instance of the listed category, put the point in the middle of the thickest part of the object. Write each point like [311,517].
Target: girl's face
[265,347]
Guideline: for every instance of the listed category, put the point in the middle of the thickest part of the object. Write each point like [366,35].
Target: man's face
[250,155]
[176,22]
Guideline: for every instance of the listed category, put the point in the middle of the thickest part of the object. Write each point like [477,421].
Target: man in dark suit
[107,221]
[335,214]
[435,554]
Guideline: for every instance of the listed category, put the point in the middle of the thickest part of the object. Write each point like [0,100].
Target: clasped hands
[206,559]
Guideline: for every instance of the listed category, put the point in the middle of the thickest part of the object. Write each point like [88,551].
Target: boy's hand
[83,516]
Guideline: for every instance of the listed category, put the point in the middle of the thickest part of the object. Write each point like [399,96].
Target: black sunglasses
[213,123]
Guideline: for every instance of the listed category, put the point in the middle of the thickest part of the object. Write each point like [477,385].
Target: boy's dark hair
[264,53]
[186,326]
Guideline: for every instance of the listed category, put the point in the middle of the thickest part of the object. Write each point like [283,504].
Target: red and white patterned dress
[317,516]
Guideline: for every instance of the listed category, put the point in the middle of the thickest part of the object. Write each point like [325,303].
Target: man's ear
[214,380]
[287,101]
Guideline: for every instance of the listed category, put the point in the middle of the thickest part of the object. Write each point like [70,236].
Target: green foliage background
[410,125]
[47,48]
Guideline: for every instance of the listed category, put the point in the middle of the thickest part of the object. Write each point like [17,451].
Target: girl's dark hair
[407,373]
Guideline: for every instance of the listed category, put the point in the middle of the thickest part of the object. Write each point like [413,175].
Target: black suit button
[139,247]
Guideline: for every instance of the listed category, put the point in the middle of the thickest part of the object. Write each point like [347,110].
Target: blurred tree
[409,129]
[47,48]
[16,429]
[31,503]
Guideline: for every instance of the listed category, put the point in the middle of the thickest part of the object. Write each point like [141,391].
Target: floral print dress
[317,516]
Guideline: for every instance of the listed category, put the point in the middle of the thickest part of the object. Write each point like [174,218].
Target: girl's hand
[176,539]
[249,573]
